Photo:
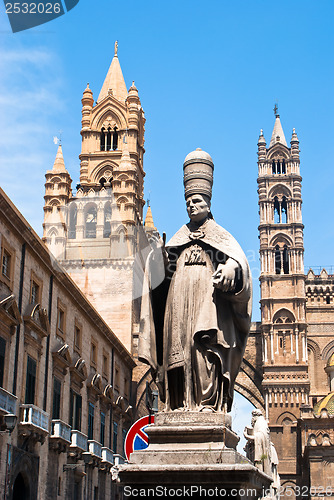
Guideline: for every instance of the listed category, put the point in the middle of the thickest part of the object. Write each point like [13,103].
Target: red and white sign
[136,438]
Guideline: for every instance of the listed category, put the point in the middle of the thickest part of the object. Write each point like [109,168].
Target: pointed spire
[278,134]
[149,224]
[59,164]
[114,80]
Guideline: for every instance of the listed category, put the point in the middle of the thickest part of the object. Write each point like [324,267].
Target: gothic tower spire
[104,218]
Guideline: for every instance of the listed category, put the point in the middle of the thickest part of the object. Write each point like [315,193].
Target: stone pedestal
[192,454]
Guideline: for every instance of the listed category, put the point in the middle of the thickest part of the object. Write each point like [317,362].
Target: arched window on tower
[278,260]
[90,222]
[284,211]
[107,221]
[72,231]
[102,181]
[115,139]
[283,167]
[278,167]
[109,139]
[285,260]
[102,140]
[277,211]
[274,167]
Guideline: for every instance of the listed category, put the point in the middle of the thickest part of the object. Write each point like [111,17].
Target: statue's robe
[192,334]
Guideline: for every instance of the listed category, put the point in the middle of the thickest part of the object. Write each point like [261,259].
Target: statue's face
[197,207]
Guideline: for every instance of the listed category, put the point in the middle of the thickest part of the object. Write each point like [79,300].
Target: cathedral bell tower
[282,280]
[102,228]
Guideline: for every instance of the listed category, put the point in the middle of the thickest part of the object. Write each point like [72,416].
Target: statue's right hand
[157,242]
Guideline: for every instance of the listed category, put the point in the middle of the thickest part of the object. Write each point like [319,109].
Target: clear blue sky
[208,75]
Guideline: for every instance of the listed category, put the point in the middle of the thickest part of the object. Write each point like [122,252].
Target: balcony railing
[95,448]
[118,459]
[60,430]
[32,415]
[107,455]
[7,401]
[79,440]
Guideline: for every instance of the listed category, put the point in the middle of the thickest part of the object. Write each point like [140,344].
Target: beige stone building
[63,372]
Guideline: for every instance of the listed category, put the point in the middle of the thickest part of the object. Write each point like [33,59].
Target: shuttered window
[30,381]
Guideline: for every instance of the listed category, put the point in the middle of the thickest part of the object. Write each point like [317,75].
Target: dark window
[274,167]
[109,139]
[75,410]
[281,342]
[284,211]
[56,398]
[285,260]
[328,300]
[6,264]
[77,337]
[277,211]
[283,167]
[115,437]
[2,359]
[278,262]
[34,293]
[102,428]
[30,381]
[102,140]
[115,139]
[61,318]
[96,493]
[90,421]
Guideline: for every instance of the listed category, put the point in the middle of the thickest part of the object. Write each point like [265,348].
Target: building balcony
[118,459]
[60,431]
[95,448]
[7,402]
[33,422]
[107,455]
[78,440]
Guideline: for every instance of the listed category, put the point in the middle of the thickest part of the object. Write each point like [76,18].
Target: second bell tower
[282,280]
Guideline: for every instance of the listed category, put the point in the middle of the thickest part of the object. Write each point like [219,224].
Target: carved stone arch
[327,351]
[122,199]
[55,180]
[281,239]
[122,229]
[278,151]
[117,115]
[279,190]
[285,315]
[123,177]
[286,417]
[54,203]
[314,348]
[52,232]
[103,169]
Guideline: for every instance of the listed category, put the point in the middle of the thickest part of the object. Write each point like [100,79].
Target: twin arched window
[278,167]
[109,139]
[280,211]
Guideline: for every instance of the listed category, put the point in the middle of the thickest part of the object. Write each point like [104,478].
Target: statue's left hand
[225,276]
